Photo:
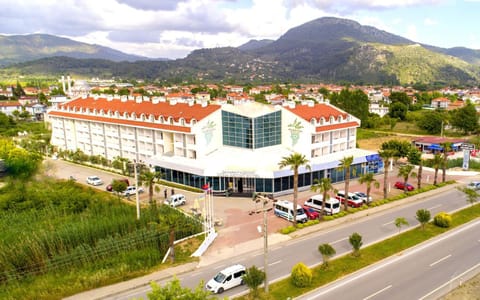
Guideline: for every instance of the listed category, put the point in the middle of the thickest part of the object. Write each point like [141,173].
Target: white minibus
[284,209]
[332,205]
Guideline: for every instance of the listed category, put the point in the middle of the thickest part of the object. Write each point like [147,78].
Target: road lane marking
[378,292]
[433,207]
[274,263]
[440,260]
[448,282]
[388,223]
[340,240]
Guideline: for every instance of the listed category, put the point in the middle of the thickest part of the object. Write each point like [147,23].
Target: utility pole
[257,198]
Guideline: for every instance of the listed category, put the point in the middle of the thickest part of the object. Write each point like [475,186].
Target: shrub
[328,218]
[253,278]
[301,275]
[288,229]
[442,219]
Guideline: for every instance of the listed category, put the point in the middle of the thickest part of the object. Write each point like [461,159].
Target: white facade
[208,140]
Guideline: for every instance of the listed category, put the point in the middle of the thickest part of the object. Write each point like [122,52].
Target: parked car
[176,200]
[353,200]
[94,180]
[226,279]
[400,185]
[474,185]
[311,213]
[363,196]
[109,187]
[132,190]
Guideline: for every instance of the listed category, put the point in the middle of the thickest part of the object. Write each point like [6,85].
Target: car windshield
[300,211]
[360,194]
[220,277]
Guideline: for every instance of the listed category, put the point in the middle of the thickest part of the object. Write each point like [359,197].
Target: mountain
[327,50]
[21,48]
[255,44]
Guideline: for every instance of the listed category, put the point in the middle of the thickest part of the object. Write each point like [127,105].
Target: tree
[21,164]
[465,118]
[356,241]
[400,148]
[386,156]
[327,252]
[405,172]
[345,165]
[398,110]
[119,186]
[369,179]
[431,121]
[354,102]
[472,195]
[170,220]
[173,290]
[399,222]
[447,148]
[419,175]
[423,216]
[148,179]
[253,278]
[301,275]
[436,164]
[323,186]
[294,161]
[400,97]
[414,156]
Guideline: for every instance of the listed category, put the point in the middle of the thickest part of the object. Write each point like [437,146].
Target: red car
[311,213]
[109,187]
[400,185]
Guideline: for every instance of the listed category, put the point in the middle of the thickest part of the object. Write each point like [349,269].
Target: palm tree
[294,161]
[447,147]
[419,175]
[327,251]
[149,179]
[386,156]
[345,165]
[368,179]
[405,172]
[323,186]
[436,164]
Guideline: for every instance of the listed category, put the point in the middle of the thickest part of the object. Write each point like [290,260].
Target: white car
[363,196]
[226,279]
[132,190]
[474,185]
[176,200]
[94,180]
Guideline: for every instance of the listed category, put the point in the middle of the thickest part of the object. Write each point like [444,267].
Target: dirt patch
[469,290]
[375,143]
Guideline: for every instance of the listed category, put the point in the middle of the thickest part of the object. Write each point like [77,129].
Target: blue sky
[172,29]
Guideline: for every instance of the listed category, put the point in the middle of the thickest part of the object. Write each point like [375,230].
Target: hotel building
[233,147]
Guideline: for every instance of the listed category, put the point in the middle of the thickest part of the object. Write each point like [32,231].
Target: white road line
[440,260]
[448,282]
[340,240]
[433,207]
[274,263]
[388,223]
[378,292]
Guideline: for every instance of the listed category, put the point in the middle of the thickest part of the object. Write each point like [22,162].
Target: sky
[172,29]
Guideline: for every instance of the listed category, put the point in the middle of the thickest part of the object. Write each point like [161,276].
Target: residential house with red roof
[228,146]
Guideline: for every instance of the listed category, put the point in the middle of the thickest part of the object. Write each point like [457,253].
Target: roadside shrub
[288,229]
[301,275]
[328,218]
[442,219]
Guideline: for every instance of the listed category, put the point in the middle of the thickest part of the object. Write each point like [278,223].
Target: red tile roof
[336,126]
[177,111]
[316,112]
[120,121]
[9,103]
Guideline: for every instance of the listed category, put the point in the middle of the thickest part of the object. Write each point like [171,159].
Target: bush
[442,219]
[301,275]
[288,229]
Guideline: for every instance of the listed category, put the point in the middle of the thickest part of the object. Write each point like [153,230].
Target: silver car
[474,185]
[94,180]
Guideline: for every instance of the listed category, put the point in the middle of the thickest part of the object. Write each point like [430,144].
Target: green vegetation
[442,219]
[301,275]
[348,264]
[253,278]
[173,290]
[68,238]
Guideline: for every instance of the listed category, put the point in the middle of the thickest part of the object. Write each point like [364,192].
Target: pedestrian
[165,193]
[173,191]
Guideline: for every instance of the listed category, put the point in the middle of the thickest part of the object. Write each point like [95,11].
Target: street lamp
[264,199]
[136,188]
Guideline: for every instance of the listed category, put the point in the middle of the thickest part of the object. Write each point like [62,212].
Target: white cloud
[411,33]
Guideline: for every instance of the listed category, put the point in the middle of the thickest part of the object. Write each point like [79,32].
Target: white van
[176,200]
[332,205]
[284,209]
[226,279]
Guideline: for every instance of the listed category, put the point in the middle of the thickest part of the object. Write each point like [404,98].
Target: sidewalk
[239,235]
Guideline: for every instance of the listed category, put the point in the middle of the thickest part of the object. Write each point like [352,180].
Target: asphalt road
[419,273]
[282,257]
